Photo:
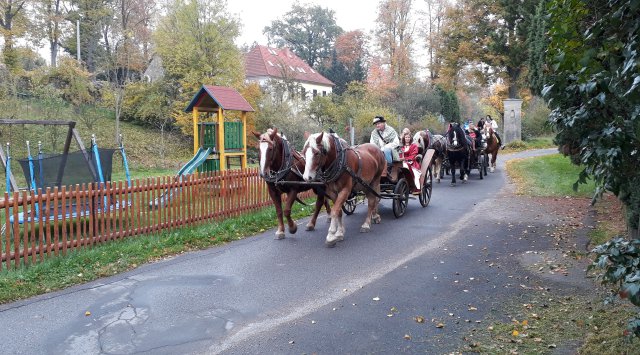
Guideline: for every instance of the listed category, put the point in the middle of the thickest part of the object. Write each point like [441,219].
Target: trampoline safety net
[47,170]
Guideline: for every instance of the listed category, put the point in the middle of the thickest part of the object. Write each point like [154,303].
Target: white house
[263,64]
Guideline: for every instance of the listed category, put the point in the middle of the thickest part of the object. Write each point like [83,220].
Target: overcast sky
[256,14]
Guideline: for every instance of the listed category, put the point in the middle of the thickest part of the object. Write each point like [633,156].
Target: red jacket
[410,155]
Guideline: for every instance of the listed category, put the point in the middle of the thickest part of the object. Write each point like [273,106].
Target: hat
[378,119]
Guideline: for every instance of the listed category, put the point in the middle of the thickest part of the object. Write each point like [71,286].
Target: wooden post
[243,115]
[221,150]
[196,136]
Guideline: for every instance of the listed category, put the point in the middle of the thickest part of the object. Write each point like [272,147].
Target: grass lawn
[550,175]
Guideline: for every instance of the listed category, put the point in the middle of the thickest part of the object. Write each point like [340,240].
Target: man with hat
[385,137]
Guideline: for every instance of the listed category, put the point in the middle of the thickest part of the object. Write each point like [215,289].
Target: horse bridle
[285,169]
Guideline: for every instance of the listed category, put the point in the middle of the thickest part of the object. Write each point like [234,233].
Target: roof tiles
[281,63]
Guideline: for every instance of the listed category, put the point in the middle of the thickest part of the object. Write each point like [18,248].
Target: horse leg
[493,160]
[340,232]
[277,202]
[328,208]
[320,201]
[371,211]
[437,168]
[336,220]
[291,198]
[452,164]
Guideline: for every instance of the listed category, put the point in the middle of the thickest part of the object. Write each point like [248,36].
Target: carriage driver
[386,138]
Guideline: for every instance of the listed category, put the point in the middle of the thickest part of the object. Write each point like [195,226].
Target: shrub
[535,120]
[620,259]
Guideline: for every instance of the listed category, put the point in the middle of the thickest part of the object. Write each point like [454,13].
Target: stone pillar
[512,121]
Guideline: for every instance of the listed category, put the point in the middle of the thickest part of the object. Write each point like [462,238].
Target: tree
[433,28]
[492,35]
[395,37]
[455,39]
[13,23]
[92,14]
[347,61]
[49,23]
[309,31]
[537,46]
[195,40]
[593,89]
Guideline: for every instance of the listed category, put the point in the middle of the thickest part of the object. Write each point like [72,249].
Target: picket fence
[57,221]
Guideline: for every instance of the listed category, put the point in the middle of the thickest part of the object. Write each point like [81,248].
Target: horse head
[270,144]
[316,149]
[456,137]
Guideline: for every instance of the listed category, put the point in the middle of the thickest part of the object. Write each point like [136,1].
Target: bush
[620,258]
[535,120]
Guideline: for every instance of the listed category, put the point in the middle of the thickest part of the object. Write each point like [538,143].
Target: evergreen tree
[537,45]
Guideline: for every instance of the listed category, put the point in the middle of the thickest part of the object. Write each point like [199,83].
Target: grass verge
[550,175]
[555,321]
[115,257]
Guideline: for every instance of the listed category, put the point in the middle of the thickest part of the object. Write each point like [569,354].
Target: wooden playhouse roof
[227,98]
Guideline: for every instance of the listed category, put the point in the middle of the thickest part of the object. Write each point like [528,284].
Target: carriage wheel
[425,193]
[401,199]
[485,165]
[349,206]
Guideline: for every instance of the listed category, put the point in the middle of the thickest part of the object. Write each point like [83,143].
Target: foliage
[537,44]
[195,41]
[449,107]
[620,259]
[395,38]
[322,110]
[535,120]
[593,89]
[310,31]
[413,102]
[490,34]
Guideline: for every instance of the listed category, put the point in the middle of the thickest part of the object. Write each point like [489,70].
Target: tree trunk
[514,75]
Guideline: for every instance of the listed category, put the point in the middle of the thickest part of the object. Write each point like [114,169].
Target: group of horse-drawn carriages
[349,175]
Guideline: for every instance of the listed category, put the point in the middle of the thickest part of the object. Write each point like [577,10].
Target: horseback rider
[386,138]
[494,126]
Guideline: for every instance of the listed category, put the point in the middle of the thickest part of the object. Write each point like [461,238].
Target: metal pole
[78,41]
[352,131]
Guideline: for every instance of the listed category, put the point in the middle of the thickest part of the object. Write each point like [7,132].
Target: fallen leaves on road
[419,319]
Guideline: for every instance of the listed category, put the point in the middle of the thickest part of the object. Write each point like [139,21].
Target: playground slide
[197,160]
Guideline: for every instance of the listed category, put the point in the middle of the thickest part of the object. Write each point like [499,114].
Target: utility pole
[78,41]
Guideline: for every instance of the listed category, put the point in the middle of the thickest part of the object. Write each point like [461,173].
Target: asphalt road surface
[369,294]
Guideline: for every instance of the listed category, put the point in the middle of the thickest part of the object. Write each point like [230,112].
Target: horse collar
[286,165]
[334,170]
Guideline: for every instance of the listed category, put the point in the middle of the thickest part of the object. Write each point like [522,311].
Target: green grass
[82,266]
[535,143]
[549,175]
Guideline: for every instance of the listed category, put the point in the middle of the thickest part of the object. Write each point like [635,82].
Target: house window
[268,61]
[324,93]
[315,92]
[303,93]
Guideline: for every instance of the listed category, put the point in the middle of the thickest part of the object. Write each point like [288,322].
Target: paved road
[260,295]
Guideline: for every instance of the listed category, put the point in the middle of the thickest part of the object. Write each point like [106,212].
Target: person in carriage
[409,153]
[386,138]
[473,133]
[494,125]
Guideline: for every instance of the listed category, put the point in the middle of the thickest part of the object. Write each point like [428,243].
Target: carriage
[398,185]
[478,159]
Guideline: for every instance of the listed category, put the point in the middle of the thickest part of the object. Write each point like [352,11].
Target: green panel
[233,136]
[209,137]
[210,165]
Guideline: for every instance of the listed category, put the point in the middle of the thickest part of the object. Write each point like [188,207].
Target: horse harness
[340,165]
[287,165]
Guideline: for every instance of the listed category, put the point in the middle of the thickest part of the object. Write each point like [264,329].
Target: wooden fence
[55,222]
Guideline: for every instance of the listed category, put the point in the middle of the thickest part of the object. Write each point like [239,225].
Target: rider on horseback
[386,138]
[490,121]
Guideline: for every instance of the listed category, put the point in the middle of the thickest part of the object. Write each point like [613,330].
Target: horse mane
[325,140]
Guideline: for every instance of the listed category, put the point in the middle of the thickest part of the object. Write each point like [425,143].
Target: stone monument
[512,120]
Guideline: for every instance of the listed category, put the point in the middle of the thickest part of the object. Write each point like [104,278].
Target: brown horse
[344,169]
[279,164]
[437,142]
[492,145]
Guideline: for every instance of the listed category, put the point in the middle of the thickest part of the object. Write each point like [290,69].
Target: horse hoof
[365,230]
[453,184]
[340,237]
[310,227]
[330,244]
[279,236]
[293,229]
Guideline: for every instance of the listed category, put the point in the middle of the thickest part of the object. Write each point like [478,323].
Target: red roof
[281,63]
[219,96]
